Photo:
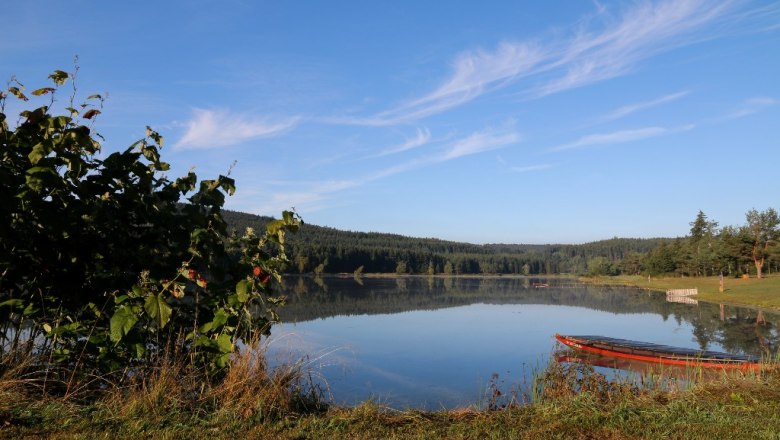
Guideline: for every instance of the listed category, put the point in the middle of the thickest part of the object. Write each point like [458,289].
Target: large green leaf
[158,310]
[123,320]
[38,152]
[36,177]
[138,349]
[242,291]
[222,361]
[220,318]
[225,343]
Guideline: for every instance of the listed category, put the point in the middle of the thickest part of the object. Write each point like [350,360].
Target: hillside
[325,249]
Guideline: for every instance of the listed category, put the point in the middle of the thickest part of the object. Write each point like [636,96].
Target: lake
[436,342]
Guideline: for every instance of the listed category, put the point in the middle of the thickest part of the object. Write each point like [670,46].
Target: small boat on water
[664,354]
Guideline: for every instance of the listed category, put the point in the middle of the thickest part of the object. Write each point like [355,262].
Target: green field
[754,292]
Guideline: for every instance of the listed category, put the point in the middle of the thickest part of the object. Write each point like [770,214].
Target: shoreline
[763,293]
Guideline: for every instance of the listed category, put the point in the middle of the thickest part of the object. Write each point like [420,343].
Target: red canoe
[663,354]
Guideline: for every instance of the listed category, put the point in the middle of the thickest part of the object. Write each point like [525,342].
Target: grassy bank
[764,292]
[572,401]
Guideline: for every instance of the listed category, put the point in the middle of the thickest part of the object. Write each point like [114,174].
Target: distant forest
[708,250]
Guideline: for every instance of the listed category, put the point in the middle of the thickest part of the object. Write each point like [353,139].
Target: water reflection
[437,341]
[638,370]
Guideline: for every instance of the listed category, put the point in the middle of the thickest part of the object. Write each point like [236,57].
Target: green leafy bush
[105,263]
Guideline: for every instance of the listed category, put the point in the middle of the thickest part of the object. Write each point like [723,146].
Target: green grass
[763,293]
[575,402]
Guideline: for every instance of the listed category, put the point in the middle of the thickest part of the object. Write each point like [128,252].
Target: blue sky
[505,121]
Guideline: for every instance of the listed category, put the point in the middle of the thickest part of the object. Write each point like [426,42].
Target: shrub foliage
[105,262]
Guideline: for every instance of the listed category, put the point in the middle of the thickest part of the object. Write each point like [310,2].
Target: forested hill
[329,250]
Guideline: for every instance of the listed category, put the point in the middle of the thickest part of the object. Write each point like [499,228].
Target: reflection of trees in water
[754,328]
[738,330]
[321,284]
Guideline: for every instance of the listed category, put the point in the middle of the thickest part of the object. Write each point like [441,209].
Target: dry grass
[249,390]
[170,395]
[13,376]
[572,401]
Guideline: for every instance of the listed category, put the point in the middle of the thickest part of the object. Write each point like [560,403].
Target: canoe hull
[659,354]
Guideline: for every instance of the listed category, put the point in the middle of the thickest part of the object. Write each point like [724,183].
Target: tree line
[733,328]
[707,250]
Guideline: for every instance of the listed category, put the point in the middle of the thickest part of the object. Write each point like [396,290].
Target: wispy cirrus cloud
[529,168]
[304,196]
[643,31]
[619,137]
[750,106]
[479,142]
[633,108]
[314,196]
[474,74]
[222,128]
[422,137]
[604,47]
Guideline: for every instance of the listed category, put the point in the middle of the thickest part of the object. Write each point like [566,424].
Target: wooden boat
[664,354]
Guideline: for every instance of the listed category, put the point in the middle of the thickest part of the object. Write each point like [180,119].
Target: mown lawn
[763,293]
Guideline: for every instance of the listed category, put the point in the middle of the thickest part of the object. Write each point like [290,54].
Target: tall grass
[567,400]
[169,393]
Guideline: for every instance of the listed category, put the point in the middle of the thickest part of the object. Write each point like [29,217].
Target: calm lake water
[428,342]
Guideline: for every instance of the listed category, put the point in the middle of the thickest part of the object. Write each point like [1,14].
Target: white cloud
[530,168]
[309,197]
[604,47]
[641,32]
[314,196]
[423,137]
[633,108]
[474,73]
[221,128]
[480,142]
[619,137]
[752,105]
[475,143]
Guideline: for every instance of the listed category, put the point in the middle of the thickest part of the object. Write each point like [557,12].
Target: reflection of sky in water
[446,357]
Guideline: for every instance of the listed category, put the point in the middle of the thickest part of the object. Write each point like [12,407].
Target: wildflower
[257,271]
